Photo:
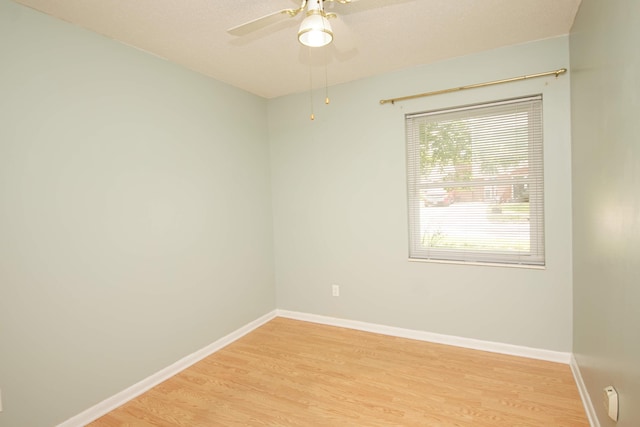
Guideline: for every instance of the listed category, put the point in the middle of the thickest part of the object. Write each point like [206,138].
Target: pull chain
[326,79]
[312,116]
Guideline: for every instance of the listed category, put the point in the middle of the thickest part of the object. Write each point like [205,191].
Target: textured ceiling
[371,36]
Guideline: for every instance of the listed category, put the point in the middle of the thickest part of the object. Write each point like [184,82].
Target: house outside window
[475,183]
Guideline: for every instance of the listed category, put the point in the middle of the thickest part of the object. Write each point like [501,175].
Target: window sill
[481,264]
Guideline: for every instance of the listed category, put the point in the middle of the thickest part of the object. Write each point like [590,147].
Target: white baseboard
[137,389]
[584,394]
[494,347]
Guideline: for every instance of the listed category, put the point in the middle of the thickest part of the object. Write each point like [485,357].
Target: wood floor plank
[293,373]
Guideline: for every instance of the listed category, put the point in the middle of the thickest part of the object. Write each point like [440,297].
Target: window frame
[535,257]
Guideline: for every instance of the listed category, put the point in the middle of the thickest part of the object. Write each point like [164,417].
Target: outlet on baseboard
[335,290]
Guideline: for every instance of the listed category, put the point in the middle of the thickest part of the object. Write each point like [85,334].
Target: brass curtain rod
[473,86]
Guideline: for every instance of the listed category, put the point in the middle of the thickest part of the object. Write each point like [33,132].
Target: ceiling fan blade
[355,6]
[262,22]
[340,1]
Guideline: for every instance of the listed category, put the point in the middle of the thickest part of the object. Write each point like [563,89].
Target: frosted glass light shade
[315,31]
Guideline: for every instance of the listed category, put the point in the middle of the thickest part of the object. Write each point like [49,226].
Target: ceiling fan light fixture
[315,30]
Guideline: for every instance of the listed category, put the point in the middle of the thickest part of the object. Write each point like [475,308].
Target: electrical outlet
[335,290]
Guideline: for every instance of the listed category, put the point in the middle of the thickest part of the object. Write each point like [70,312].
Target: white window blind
[475,183]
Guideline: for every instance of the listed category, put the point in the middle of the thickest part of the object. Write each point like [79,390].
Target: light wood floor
[292,373]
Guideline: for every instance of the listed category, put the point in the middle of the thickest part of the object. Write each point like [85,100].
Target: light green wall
[135,215]
[340,209]
[605,97]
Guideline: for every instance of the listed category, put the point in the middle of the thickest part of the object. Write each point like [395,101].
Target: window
[475,183]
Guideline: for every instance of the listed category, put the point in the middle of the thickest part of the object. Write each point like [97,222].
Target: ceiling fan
[315,29]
